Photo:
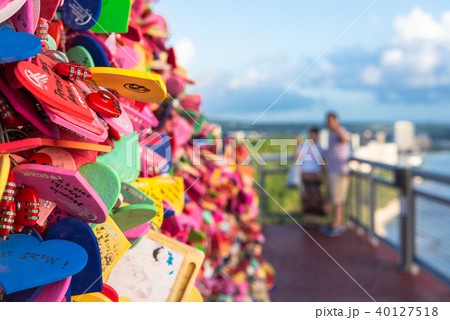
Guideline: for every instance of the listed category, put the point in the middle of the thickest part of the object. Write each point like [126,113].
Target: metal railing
[406,208]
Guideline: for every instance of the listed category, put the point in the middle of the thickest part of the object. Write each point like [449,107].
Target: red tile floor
[306,273]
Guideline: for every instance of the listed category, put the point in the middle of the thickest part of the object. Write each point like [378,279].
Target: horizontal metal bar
[426,194]
[376,164]
[376,179]
[431,176]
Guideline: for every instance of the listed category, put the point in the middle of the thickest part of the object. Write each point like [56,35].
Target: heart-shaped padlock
[105,103]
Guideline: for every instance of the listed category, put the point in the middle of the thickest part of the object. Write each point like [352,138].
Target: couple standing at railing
[335,171]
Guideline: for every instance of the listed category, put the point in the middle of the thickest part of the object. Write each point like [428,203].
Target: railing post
[359,201]
[372,207]
[403,180]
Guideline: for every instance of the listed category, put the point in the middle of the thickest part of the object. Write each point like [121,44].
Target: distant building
[378,152]
[404,136]
[356,141]
[380,137]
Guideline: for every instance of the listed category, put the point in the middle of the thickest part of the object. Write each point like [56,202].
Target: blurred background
[384,67]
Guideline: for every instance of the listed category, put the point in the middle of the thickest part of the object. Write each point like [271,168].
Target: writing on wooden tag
[150,188]
[111,242]
[172,190]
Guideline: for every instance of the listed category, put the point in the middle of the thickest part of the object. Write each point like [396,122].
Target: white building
[404,135]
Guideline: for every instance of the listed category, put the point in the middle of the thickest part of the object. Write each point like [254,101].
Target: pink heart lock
[67,188]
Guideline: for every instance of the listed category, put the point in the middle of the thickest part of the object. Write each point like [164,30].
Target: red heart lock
[45,84]
[56,30]
[105,103]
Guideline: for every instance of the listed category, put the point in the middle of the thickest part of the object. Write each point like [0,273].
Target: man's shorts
[338,184]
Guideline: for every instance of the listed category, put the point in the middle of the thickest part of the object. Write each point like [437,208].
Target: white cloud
[419,55]
[421,26]
[250,79]
[392,57]
[371,75]
[185,52]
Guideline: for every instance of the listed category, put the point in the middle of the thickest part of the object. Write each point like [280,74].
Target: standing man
[338,155]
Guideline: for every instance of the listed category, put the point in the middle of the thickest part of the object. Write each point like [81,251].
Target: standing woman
[309,155]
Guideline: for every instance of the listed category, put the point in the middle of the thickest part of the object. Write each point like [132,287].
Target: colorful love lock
[121,124]
[127,56]
[54,292]
[81,14]
[56,30]
[104,180]
[27,295]
[140,121]
[166,268]
[5,164]
[110,292]
[172,190]
[124,158]
[74,230]
[93,130]
[104,103]
[140,86]
[48,9]
[133,195]
[31,143]
[182,132]
[137,232]
[51,43]
[25,20]
[96,51]
[80,55]
[73,71]
[45,209]
[17,45]
[151,188]
[9,8]
[114,17]
[112,244]
[60,157]
[133,215]
[25,262]
[48,86]
[67,188]
[156,154]
[25,104]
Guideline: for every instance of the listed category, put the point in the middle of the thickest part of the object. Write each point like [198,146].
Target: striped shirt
[338,153]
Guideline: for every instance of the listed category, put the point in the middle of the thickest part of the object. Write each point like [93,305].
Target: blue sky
[393,64]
